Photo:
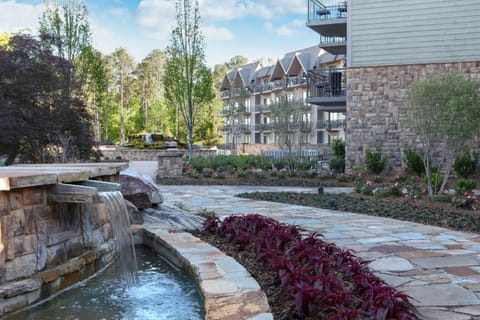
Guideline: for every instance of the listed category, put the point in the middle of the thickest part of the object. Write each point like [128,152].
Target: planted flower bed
[319,279]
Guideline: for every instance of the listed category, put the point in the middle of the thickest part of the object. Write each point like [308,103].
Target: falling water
[120,223]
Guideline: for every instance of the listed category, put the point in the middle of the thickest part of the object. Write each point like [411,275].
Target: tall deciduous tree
[67,21]
[287,122]
[150,74]
[444,112]
[188,82]
[35,115]
[95,86]
[122,67]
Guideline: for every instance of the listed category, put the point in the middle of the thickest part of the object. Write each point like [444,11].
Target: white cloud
[217,33]
[121,13]
[16,17]
[290,29]
[234,9]
[156,17]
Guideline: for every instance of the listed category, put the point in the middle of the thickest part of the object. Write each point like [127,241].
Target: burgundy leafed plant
[323,280]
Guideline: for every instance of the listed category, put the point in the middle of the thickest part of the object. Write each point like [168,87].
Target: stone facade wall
[376,96]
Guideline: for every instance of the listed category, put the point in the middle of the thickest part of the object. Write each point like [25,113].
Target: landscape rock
[136,216]
[139,189]
[176,217]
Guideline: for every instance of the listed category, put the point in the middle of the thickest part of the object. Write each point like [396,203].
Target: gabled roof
[227,81]
[278,71]
[264,72]
[240,76]
[303,60]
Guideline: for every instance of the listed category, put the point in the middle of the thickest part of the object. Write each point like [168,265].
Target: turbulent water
[161,292]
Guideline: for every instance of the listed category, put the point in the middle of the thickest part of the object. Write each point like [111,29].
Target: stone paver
[437,267]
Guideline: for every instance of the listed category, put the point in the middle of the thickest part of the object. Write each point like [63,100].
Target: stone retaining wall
[376,96]
[19,294]
[44,243]
[146,154]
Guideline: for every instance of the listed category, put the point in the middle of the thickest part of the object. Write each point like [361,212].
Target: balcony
[334,45]
[327,89]
[225,94]
[263,127]
[305,126]
[238,128]
[263,108]
[329,22]
[332,125]
[296,82]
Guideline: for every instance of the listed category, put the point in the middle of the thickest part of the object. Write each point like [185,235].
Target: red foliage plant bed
[323,280]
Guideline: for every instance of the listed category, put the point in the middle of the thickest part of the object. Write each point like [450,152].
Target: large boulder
[139,189]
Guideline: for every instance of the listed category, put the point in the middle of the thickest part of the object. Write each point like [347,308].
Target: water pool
[161,292]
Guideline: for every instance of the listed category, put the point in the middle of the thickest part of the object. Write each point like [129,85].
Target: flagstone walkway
[437,267]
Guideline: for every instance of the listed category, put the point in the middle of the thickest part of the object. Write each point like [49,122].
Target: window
[247,105]
[321,137]
[246,139]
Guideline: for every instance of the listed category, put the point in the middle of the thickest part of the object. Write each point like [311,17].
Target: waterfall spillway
[120,222]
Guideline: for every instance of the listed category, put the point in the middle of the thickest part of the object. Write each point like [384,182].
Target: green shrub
[436,181]
[464,185]
[338,148]
[375,161]
[464,166]
[414,162]
[337,164]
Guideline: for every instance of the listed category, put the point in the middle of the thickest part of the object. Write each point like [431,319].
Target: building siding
[396,32]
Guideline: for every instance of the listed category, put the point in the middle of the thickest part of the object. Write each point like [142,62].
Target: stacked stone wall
[36,235]
[376,97]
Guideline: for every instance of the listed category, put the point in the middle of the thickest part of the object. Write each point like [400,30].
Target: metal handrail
[317,11]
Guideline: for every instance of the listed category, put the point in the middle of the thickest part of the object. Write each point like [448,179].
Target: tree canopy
[444,112]
[35,114]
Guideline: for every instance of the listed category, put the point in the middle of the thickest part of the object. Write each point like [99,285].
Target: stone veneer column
[170,164]
[376,96]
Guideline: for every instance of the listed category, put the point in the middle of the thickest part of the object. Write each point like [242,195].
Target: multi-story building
[251,91]
[389,45]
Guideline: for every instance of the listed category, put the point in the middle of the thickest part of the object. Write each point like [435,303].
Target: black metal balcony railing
[238,128]
[263,108]
[332,40]
[332,124]
[296,81]
[281,84]
[327,83]
[318,11]
[263,127]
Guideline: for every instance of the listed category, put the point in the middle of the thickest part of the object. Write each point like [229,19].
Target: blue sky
[252,28]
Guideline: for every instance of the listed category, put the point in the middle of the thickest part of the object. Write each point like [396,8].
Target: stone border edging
[230,292]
